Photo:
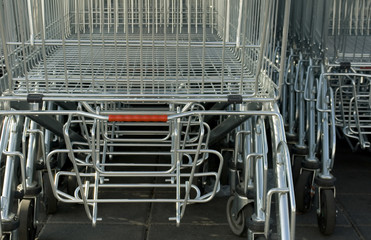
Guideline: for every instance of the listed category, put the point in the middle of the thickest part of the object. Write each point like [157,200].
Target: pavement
[149,221]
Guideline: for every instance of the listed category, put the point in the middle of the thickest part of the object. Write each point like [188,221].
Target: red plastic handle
[137,118]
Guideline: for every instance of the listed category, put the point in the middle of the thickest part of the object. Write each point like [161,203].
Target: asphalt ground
[149,221]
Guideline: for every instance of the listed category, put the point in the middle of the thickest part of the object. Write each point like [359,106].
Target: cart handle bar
[137,118]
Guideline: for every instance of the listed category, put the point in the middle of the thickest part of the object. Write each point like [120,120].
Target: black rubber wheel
[327,217]
[27,229]
[303,188]
[238,224]
[50,200]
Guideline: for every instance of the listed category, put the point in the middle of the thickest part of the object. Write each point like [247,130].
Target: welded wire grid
[155,70]
[349,32]
[352,103]
[161,47]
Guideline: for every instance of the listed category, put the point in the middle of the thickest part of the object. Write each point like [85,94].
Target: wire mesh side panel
[309,26]
[338,29]
[349,38]
[352,104]
[2,68]
[3,81]
[158,48]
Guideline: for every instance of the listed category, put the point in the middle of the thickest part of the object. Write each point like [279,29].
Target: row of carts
[327,95]
[248,94]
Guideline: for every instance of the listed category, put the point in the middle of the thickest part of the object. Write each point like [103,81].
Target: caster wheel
[303,192]
[50,200]
[238,223]
[327,217]
[27,229]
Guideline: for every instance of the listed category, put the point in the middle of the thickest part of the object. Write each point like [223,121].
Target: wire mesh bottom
[92,66]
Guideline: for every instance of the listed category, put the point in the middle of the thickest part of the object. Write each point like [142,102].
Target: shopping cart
[308,116]
[102,85]
[330,42]
[348,69]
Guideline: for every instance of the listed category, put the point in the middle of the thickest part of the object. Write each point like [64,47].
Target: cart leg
[10,142]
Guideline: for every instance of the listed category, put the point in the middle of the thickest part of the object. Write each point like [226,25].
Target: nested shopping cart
[349,68]
[327,77]
[93,89]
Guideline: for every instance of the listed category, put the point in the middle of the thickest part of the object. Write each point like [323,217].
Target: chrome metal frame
[108,57]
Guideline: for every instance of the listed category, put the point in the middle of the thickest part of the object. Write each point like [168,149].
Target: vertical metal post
[91,44]
[177,29]
[172,15]
[196,22]
[189,16]
[156,15]
[30,21]
[140,6]
[301,109]
[176,157]
[83,16]
[103,47]
[212,15]
[241,90]
[325,171]
[22,23]
[284,43]
[127,46]
[239,23]
[44,56]
[132,16]
[165,42]
[63,32]
[203,45]
[116,16]
[225,37]
[311,115]
[109,17]
[148,16]
[263,44]
[116,7]
[7,191]
[181,16]
[227,16]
